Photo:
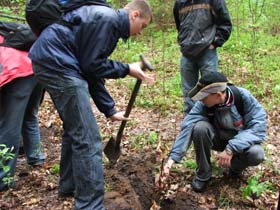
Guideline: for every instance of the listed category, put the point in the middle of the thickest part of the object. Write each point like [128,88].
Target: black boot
[233,174]
[199,186]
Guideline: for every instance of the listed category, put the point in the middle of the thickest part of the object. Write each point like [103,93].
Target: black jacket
[201,23]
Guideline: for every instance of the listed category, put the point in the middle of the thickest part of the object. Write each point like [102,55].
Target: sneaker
[199,186]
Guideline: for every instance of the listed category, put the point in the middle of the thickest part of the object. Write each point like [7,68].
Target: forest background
[250,58]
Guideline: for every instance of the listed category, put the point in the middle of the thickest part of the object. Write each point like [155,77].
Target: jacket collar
[229,99]
[124,24]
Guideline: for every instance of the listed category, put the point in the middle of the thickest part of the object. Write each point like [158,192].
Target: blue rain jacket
[252,131]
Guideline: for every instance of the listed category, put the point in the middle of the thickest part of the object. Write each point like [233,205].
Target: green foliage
[6,10]
[251,57]
[172,86]
[216,169]
[5,155]
[145,139]
[152,138]
[255,188]
[8,179]
[20,2]
[55,169]
[189,163]
[165,97]
[14,8]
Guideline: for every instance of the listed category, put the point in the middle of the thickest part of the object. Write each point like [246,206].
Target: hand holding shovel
[113,150]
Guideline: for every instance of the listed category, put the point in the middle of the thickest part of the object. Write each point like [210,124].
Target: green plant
[137,142]
[8,179]
[55,169]
[254,187]
[152,138]
[216,169]
[173,85]
[5,155]
[189,163]
[145,139]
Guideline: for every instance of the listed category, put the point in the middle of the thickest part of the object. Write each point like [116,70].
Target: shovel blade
[112,151]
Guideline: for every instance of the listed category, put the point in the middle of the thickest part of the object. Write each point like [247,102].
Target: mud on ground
[129,184]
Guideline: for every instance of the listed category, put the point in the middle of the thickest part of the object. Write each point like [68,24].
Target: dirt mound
[131,180]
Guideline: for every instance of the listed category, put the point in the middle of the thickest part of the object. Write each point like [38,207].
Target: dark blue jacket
[82,50]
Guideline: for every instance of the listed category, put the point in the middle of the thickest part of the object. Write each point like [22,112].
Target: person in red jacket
[20,96]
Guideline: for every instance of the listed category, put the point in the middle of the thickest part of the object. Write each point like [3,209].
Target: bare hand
[224,159]
[211,47]
[119,116]
[165,173]
[136,71]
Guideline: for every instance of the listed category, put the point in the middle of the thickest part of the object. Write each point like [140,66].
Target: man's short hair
[142,6]
[211,82]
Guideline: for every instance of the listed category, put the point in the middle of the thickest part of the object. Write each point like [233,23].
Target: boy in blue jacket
[64,60]
[215,123]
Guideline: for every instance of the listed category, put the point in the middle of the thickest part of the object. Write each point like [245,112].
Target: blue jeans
[190,70]
[81,153]
[205,138]
[30,128]
[19,103]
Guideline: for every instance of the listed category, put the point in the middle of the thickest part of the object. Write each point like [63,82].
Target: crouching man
[225,118]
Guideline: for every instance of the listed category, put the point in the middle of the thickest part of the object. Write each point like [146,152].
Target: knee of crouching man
[256,155]
[200,130]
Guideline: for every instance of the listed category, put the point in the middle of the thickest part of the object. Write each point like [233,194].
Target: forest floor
[129,184]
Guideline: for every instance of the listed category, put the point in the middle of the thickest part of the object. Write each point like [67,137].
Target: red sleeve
[15,64]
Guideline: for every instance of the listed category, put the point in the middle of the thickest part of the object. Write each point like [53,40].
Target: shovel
[112,149]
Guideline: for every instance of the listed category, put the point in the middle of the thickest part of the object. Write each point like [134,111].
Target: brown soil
[129,184]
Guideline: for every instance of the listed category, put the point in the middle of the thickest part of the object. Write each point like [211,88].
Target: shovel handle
[128,110]
[145,64]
